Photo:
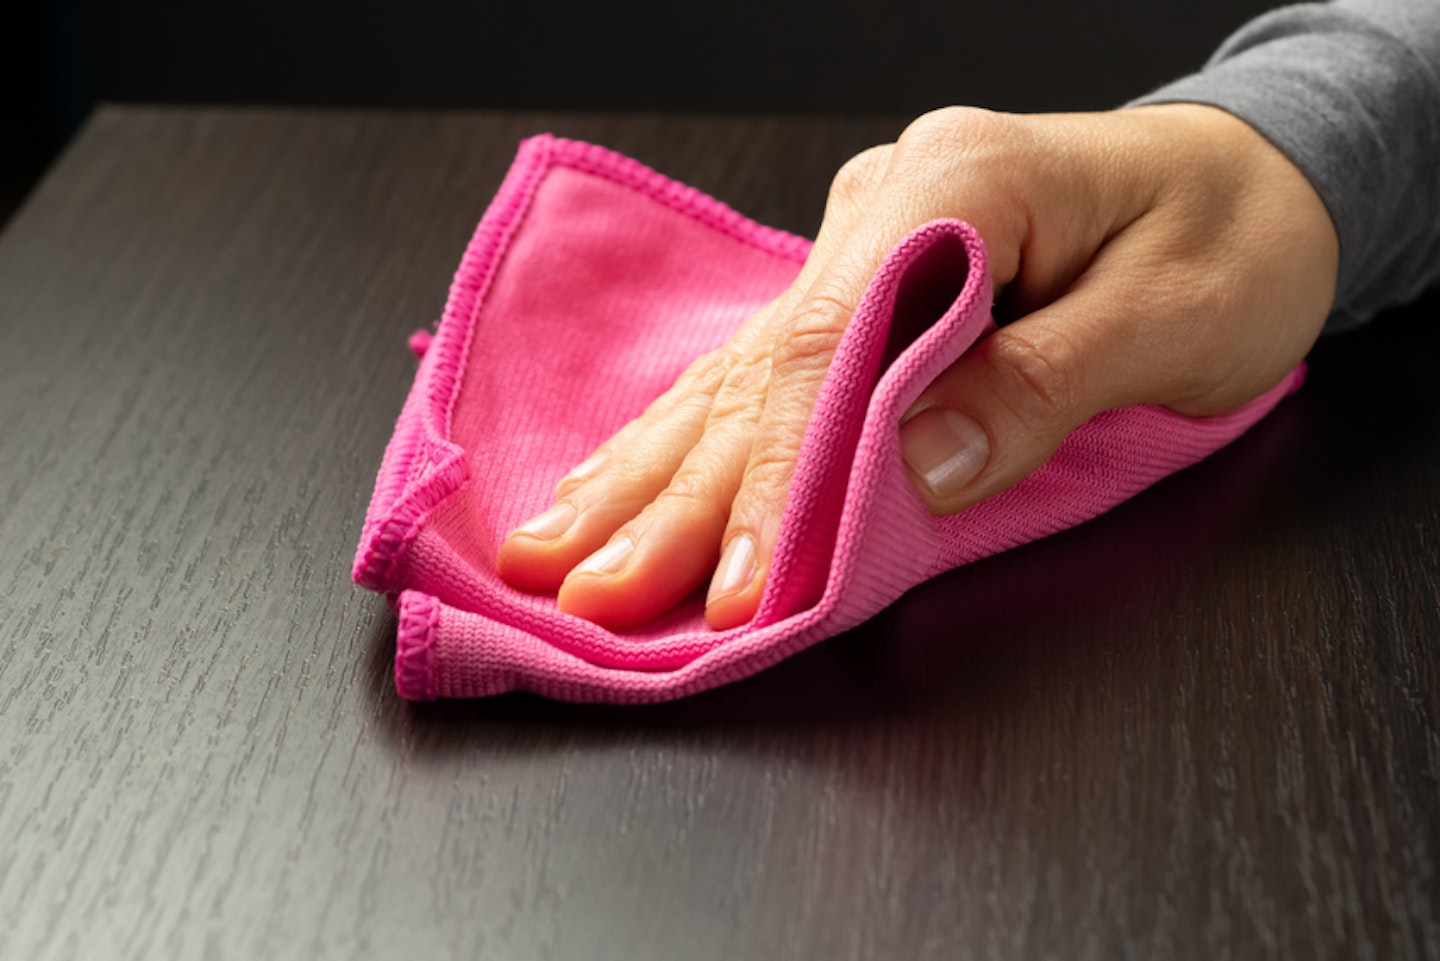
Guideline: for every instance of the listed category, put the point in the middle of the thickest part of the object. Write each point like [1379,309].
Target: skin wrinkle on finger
[808,340]
[1050,367]
[743,384]
[583,471]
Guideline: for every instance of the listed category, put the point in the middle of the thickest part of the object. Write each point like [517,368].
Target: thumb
[1001,410]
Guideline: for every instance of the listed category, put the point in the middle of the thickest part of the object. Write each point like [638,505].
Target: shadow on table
[978,644]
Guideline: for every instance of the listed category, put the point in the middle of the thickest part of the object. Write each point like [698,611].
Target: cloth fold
[591,282]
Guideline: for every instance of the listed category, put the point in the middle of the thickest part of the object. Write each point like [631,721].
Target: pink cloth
[590,284]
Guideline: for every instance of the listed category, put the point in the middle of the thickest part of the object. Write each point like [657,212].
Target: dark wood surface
[1206,725]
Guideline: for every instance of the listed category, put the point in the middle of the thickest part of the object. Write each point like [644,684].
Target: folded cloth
[590,284]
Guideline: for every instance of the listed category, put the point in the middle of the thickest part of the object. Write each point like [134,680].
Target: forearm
[1350,92]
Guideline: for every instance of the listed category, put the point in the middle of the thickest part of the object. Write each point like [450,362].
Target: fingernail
[551,524]
[584,469]
[946,448]
[608,559]
[736,568]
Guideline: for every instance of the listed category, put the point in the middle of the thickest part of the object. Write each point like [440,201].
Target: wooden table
[1202,726]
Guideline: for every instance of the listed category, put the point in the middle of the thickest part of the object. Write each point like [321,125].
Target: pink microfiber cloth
[590,284]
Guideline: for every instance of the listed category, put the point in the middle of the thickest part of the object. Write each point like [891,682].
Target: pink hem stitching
[415,647]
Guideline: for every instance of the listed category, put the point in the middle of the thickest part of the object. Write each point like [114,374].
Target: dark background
[59,57]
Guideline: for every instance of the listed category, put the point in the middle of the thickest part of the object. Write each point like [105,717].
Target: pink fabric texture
[590,284]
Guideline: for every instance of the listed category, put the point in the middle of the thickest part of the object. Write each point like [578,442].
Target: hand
[1166,255]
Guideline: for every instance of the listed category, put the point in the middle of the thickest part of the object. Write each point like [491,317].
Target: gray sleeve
[1350,92]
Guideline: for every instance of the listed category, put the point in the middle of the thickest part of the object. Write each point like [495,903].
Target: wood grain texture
[1203,726]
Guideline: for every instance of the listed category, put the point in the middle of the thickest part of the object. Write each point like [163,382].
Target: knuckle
[705,372]
[691,493]
[702,488]
[950,129]
[745,381]
[767,476]
[930,126]
[967,146]
[859,175]
[1043,373]
[808,340]
[626,480]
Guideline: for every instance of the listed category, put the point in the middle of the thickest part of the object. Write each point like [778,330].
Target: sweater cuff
[1357,110]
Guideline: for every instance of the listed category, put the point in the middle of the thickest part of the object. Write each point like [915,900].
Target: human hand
[1164,255]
